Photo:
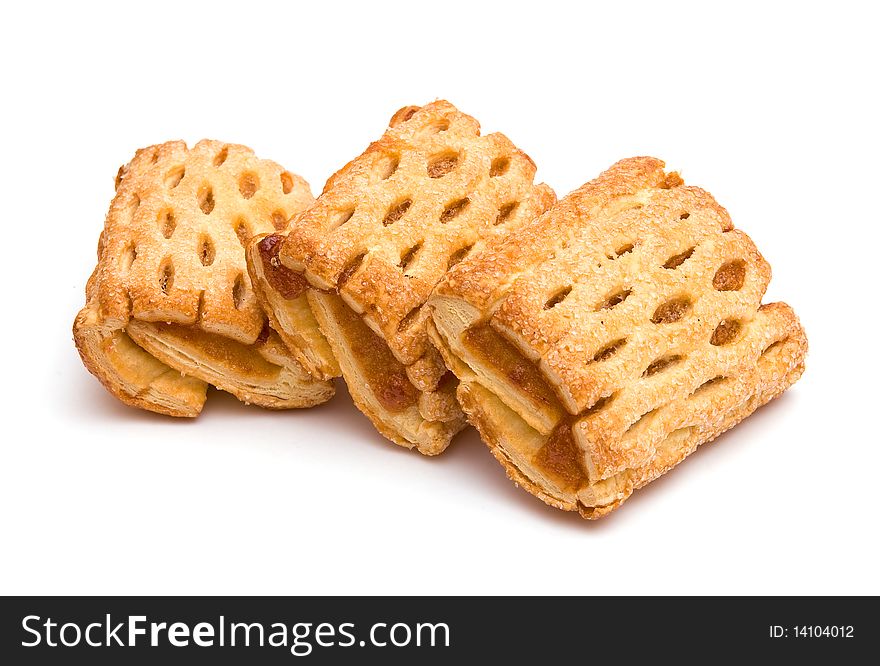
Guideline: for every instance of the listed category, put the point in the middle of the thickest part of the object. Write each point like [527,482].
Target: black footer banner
[187,630]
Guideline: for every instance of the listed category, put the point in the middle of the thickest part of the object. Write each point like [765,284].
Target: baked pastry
[346,287]
[170,308]
[599,345]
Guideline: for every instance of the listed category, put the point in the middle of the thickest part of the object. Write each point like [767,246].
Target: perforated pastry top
[171,249]
[632,308]
[391,222]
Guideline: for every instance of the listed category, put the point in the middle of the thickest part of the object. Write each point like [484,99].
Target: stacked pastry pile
[594,342]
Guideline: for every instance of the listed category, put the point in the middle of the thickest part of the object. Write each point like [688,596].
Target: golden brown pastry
[170,306]
[599,345]
[346,287]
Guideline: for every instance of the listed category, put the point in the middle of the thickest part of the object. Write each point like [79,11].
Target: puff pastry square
[598,346]
[170,307]
[346,287]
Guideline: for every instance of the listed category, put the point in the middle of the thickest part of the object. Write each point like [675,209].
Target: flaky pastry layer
[170,307]
[599,345]
[356,269]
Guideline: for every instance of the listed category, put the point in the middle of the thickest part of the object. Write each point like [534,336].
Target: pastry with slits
[599,345]
[170,307]
[346,287]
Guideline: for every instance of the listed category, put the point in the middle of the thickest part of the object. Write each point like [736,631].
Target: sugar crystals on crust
[347,286]
[599,345]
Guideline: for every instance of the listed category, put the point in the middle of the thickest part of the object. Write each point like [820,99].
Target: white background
[772,107]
